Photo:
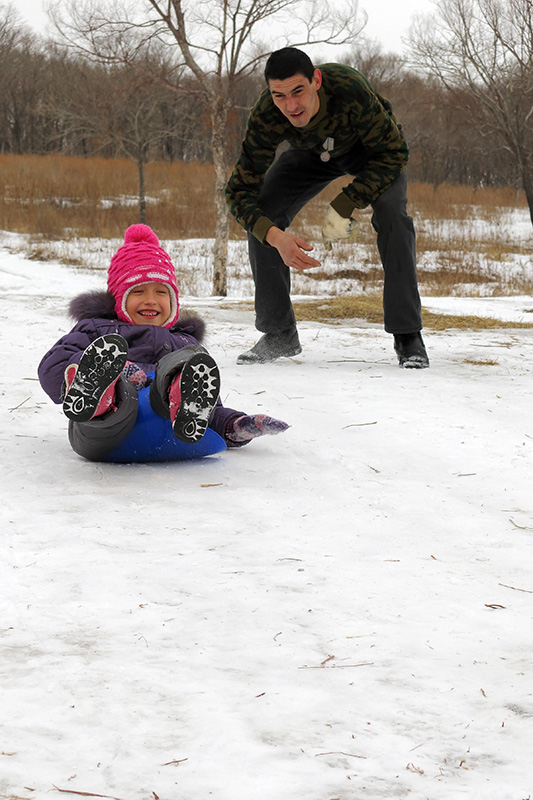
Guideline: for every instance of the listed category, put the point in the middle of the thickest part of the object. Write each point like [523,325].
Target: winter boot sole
[199,388]
[413,362]
[100,365]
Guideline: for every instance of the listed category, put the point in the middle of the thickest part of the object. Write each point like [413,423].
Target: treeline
[53,102]
[450,138]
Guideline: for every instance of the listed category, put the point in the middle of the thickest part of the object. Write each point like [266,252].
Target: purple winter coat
[147,345]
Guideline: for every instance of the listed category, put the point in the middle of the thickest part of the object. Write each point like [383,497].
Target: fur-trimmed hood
[101,305]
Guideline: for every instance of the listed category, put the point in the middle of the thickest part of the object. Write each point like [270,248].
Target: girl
[128,353]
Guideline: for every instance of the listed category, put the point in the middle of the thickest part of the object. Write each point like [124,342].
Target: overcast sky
[388,20]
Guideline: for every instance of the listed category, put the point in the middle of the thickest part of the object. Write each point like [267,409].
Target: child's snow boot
[90,385]
[192,397]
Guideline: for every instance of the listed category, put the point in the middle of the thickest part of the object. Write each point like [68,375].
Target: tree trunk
[220,250]
[142,192]
[527,183]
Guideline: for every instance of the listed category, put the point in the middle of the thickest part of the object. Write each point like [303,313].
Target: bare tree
[22,68]
[382,68]
[219,42]
[110,112]
[486,48]
[137,125]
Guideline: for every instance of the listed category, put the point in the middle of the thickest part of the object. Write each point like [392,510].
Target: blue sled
[152,439]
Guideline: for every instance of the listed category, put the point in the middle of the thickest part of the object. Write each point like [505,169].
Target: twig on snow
[412,768]
[337,666]
[15,796]
[339,753]
[516,589]
[85,794]
[19,405]
[521,527]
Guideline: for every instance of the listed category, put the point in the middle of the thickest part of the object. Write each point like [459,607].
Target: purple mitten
[245,428]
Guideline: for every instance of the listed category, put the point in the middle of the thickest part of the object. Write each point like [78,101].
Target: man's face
[297,98]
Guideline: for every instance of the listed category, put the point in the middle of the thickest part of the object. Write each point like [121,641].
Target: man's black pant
[294,179]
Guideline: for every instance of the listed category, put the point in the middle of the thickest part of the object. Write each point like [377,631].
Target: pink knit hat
[141,260]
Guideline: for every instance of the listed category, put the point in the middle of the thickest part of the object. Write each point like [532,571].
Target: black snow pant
[99,436]
[294,179]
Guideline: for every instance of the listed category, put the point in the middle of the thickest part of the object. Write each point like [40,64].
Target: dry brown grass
[55,197]
[445,201]
[181,193]
[58,195]
[369,309]
[483,362]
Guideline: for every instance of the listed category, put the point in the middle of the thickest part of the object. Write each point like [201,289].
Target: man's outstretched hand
[291,249]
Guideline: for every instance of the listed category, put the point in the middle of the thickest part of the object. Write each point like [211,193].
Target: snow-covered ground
[341,612]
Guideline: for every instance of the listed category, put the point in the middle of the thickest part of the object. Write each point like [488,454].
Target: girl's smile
[148,304]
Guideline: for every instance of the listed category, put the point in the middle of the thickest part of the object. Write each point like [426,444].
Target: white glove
[335,227]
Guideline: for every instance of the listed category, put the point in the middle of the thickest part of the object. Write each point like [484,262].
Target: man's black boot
[272,346]
[411,351]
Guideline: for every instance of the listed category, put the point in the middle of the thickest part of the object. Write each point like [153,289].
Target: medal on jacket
[327,147]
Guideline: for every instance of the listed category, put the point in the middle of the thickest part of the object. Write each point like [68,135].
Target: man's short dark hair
[287,62]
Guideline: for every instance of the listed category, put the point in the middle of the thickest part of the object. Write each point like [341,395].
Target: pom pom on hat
[140,233]
[141,260]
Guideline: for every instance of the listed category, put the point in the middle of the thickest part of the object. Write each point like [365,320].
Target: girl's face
[148,304]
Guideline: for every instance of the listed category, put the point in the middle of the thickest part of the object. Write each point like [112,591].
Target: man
[336,125]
